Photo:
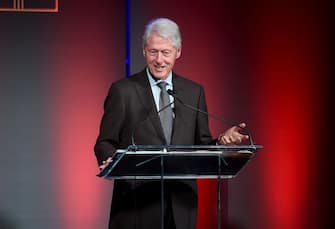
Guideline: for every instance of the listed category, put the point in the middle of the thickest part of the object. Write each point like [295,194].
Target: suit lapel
[144,92]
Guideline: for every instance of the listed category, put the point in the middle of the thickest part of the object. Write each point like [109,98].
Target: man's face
[160,55]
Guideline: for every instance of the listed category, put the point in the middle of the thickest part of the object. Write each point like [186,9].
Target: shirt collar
[154,82]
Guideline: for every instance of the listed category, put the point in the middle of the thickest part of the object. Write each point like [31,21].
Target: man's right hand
[105,163]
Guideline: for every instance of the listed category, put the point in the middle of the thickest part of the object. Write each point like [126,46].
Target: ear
[178,53]
[143,52]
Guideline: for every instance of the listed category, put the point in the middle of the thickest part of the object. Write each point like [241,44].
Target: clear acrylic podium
[162,162]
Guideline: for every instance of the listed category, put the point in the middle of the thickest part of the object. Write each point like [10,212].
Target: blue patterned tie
[165,114]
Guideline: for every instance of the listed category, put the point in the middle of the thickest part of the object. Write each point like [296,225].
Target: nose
[159,57]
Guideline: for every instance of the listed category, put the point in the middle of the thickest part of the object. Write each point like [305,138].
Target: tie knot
[162,85]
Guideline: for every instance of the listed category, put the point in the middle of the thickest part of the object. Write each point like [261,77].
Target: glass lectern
[161,162]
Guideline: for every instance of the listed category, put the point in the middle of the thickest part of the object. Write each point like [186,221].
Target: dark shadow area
[6,222]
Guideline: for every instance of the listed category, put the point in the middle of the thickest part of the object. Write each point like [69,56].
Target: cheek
[149,60]
[170,62]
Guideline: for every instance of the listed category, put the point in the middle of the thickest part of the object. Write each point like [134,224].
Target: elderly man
[131,114]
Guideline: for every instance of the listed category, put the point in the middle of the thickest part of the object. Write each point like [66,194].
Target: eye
[153,52]
[166,52]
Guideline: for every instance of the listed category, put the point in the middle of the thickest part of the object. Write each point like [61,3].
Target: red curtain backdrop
[287,62]
[262,62]
[88,54]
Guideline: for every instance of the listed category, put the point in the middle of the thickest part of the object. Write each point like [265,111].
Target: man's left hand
[233,135]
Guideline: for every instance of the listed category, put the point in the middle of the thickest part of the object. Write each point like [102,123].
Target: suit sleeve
[111,125]
[203,135]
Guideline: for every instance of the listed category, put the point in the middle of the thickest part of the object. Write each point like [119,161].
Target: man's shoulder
[185,82]
[130,80]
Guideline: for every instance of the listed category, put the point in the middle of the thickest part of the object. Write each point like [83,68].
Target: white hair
[165,28]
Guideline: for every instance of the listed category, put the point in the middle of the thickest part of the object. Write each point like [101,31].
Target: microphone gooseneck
[230,123]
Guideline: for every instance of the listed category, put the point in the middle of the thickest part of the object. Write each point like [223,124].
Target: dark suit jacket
[130,111]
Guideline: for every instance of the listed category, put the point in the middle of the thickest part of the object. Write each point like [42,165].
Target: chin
[160,75]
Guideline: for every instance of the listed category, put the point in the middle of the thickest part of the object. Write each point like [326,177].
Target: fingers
[225,139]
[234,140]
[242,125]
[105,163]
[233,135]
[222,139]
[245,137]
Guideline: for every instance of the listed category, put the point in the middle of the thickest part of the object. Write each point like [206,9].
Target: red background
[264,63]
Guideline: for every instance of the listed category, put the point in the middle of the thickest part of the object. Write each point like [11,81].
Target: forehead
[156,41]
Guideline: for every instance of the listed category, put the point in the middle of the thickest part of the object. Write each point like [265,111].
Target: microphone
[149,113]
[230,123]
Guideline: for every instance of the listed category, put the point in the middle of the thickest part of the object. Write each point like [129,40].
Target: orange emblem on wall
[29,5]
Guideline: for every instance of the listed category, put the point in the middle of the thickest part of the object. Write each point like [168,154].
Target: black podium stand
[179,162]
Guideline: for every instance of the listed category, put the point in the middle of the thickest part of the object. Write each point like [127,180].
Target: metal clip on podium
[179,162]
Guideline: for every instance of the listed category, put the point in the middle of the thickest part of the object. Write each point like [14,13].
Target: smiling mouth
[159,67]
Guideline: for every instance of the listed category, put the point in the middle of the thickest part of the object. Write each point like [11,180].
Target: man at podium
[144,109]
